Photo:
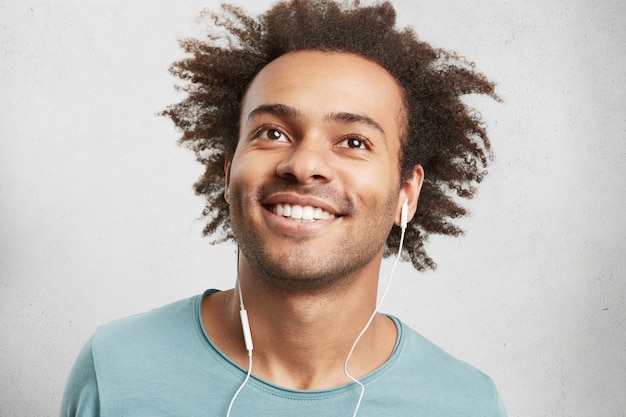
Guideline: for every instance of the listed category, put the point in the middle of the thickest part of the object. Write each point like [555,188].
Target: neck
[301,339]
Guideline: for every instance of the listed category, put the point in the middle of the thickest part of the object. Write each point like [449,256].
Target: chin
[312,276]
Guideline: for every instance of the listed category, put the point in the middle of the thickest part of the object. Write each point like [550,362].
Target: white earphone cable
[243,384]
[247,339]
[358,338]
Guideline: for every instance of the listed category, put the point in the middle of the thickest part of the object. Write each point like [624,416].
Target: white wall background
[98,219]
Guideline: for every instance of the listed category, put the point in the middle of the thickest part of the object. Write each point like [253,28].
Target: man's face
[314,184]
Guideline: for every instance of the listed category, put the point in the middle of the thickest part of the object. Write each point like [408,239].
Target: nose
[306,162]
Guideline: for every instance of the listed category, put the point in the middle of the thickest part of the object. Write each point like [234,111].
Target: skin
[318,129]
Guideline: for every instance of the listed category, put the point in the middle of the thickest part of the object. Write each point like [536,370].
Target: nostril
[306,162]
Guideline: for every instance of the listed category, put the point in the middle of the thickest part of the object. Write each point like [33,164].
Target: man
[320,126]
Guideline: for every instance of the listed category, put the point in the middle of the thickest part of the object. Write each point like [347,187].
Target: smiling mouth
[301,213]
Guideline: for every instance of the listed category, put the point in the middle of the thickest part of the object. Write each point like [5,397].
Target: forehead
[318,82]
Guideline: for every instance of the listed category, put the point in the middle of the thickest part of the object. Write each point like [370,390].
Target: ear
[227,163]
[410,191]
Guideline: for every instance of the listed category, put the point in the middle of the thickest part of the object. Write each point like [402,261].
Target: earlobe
[410,192]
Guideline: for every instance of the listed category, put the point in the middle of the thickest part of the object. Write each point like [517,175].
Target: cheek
[241,188]
[384,190]
[373,183]
[236,190]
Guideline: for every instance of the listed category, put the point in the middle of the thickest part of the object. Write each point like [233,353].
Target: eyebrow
[343,117]
[346,117]
[274,109]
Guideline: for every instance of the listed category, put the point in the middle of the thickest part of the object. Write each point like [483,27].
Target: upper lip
[301,200]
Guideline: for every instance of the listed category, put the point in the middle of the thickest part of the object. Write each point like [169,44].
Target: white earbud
[404,215]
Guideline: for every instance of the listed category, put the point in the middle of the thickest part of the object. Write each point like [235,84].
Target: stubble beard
[299,270]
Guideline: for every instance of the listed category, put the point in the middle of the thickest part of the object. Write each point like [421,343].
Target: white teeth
[307,213]
[296,212]
[302,213]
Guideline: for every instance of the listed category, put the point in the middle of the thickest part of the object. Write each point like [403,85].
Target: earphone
[404,214]
[245,324]
[247,338]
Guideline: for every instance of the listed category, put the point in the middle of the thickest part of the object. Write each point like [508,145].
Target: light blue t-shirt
[162,363]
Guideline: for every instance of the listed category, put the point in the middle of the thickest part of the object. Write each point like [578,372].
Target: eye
[274,135]
[354,143]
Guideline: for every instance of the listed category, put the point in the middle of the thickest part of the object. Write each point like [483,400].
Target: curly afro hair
[442,134]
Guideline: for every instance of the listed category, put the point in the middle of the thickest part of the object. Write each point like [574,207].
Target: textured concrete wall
[98,219]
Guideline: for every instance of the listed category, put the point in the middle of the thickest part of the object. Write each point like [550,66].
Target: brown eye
[272,134]
[353,143]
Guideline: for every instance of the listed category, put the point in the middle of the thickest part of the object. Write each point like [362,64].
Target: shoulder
[80,397]
[416,349]
[150,323]
[149,342]
[444,379]
[160,329]
[137,359]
